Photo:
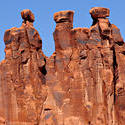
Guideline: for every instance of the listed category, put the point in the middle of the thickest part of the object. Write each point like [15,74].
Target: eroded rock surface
[22,81]
[82,83]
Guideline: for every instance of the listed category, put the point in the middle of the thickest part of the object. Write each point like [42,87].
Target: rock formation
[82,83]
[22,89]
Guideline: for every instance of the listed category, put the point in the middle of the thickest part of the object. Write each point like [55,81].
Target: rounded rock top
[27,15]
[99,12]
[64,16]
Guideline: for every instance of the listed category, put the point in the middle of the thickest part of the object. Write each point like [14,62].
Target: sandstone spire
[64,23]
[23,71]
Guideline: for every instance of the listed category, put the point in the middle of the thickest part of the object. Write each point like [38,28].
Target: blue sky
[44,10]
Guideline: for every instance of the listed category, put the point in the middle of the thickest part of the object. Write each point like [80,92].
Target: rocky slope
[82,83]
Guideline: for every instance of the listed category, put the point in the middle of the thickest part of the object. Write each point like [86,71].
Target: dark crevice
[43,70]
[94,21]
[121,92]
[25,62]
[115,73]
[89,123]
[54,59]
[47,109]
[106,31]
[120,43]
[83,57]
[123,52]
[63,20]
[37,48]
[22,51]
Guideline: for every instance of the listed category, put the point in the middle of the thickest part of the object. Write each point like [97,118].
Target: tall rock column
[64,78]
[23,84]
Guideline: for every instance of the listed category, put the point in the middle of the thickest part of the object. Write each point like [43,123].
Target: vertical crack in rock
[115,73]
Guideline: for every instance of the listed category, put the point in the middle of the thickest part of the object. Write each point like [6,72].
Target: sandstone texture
[82,83]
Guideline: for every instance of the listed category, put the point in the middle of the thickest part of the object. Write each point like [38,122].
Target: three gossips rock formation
[82,83]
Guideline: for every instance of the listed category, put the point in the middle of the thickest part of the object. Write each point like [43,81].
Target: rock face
[82,83]
[22,81]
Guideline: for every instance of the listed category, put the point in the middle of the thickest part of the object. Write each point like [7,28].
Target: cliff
[82,83]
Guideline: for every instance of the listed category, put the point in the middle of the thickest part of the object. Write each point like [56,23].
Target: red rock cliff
[82,83]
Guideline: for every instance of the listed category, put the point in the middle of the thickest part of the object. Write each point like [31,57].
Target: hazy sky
[44,10]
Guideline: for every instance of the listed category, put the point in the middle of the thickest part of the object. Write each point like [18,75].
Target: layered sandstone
[82,83]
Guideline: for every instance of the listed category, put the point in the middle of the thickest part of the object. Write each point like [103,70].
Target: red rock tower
[22,82]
